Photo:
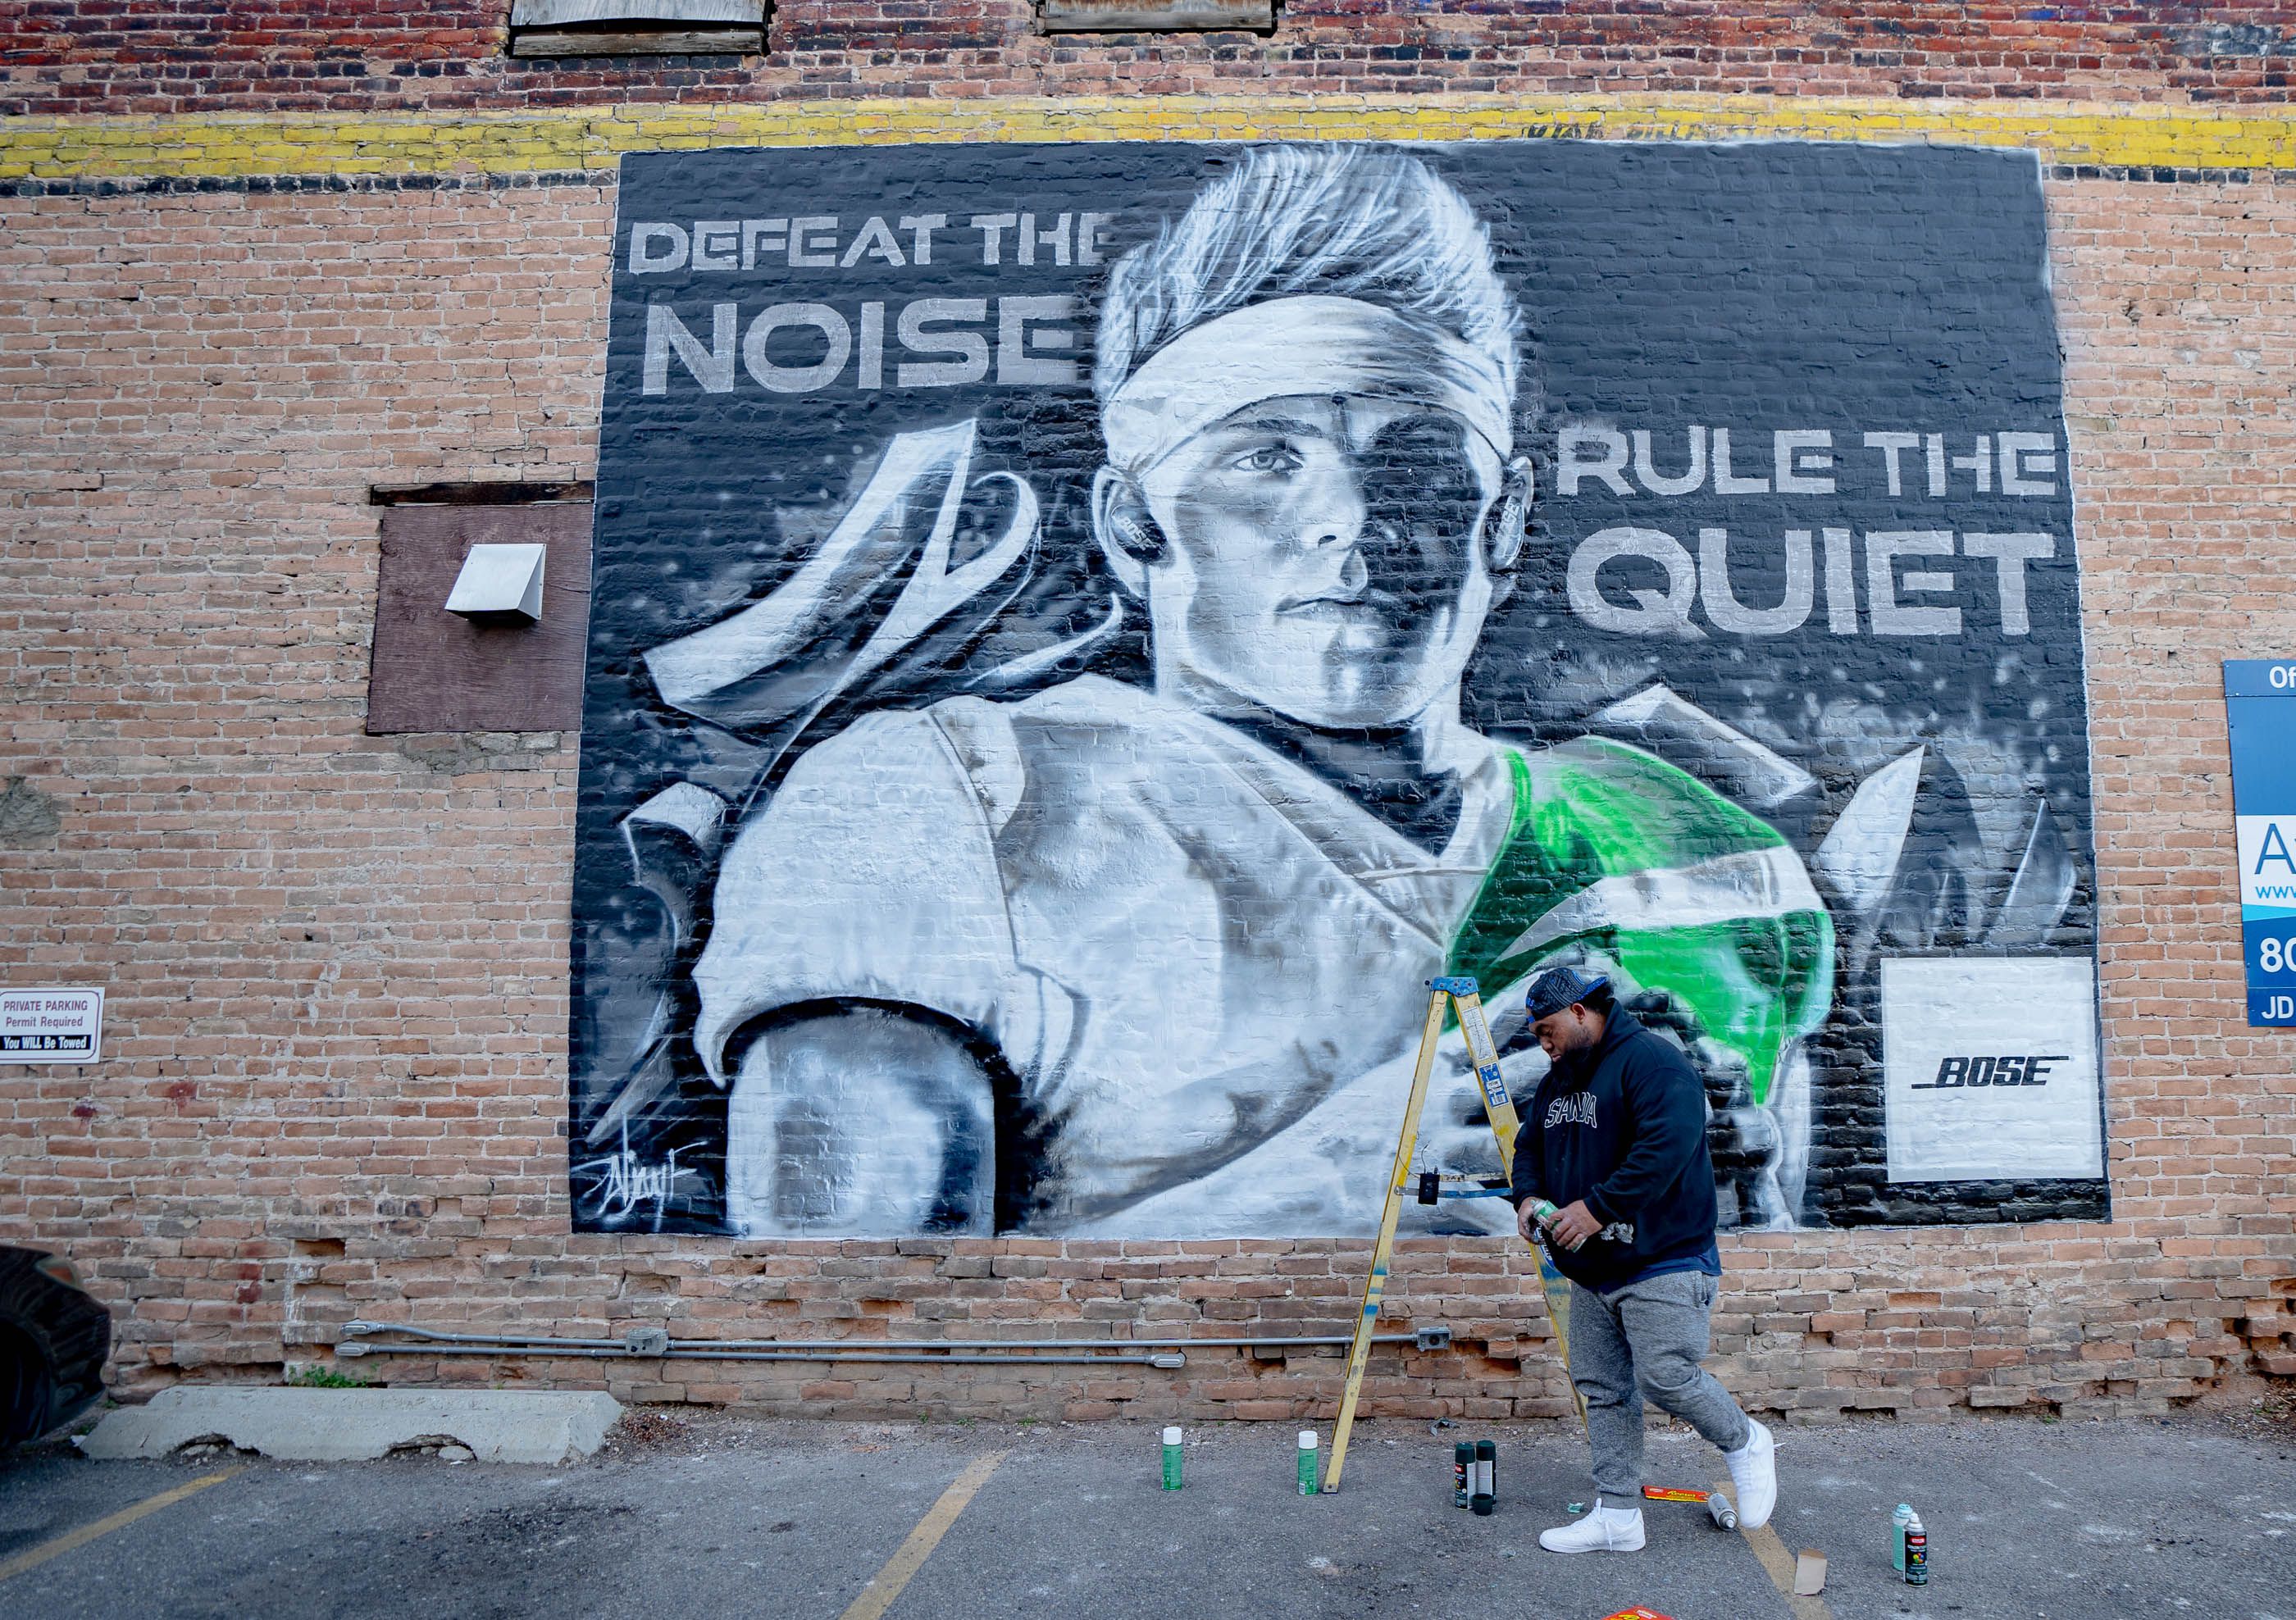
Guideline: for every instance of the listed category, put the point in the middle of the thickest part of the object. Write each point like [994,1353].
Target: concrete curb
[357,1424]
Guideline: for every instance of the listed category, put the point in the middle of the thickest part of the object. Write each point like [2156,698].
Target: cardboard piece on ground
[1809,1572]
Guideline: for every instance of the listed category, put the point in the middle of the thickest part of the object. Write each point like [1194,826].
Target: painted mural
[1082,633]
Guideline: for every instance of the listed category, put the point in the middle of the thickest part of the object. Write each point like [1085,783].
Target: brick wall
[334,1082]
[62,56]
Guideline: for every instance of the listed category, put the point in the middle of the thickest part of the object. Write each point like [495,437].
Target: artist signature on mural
[625,1185]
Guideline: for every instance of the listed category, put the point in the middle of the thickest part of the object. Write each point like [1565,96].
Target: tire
[27,1390]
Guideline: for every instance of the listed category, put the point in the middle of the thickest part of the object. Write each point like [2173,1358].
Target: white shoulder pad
[869,874]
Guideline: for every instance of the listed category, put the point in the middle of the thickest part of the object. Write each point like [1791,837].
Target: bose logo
[1956,1073]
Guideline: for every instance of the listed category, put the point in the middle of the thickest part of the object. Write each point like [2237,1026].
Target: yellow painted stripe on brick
[226,147]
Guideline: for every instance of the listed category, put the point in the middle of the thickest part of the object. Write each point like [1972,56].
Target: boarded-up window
[436,671]
[1155,16]
[636,28]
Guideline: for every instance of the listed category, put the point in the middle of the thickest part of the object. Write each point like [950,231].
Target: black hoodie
[1622,1125]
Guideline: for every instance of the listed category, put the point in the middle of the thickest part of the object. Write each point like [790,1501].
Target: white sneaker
[1754,1470]
[1604,1530]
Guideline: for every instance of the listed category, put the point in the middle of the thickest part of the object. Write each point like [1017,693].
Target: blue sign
[2260,706]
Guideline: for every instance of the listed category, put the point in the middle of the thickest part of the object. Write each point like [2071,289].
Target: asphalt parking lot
[702,1513]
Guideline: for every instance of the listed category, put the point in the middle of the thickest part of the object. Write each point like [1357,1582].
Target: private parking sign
[2261,708]
[51,1025]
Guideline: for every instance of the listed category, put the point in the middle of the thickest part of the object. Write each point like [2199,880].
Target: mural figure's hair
[1340,221]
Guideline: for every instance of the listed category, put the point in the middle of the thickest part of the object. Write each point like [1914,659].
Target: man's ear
[1127,534]
[1503,531]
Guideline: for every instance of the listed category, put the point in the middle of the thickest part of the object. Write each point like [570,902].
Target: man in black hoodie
[1616,1136]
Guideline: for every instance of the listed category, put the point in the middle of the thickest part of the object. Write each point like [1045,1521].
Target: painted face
[1324,560]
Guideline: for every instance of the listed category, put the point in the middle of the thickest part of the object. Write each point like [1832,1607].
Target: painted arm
[860,1123]
[860,925]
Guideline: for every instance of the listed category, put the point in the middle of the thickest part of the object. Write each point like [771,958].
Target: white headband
[1302,345]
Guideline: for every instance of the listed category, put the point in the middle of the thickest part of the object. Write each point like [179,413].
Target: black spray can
[1463,1465]
[1483,1478]
[1917,1553]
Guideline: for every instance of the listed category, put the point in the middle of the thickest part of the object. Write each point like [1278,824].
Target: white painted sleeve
[870,873]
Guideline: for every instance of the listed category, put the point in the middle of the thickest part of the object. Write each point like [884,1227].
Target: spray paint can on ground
[1917,1552]
[1483,1481]
[1308,1461]
[1898,1536]
[1462,1464]
[1172,1459]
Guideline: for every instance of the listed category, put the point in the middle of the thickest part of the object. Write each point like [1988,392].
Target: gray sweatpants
[1647,1339]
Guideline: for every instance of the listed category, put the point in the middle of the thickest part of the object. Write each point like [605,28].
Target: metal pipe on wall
[656,1344]
[592,1352]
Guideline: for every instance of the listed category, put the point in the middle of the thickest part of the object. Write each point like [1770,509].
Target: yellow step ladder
[1464,995]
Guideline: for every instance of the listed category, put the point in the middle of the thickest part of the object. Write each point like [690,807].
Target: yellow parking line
[105,1526]
[1780,1563]
[886,1584]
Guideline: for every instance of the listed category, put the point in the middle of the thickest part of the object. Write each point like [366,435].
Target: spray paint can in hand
[1483,1482]
[1898,1536]
[1308,1460]
[1172,1459]
[1917,1552]
[1462,1463]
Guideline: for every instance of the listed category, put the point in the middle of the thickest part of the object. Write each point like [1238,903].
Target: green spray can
[1462,1466]
[1172,1459]
[1542,1215]
[1308,1461]
[1898,1536]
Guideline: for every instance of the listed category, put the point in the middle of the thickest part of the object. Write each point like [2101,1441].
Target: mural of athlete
[1150,962]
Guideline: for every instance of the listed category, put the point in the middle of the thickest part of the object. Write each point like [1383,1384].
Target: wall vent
[637,27]
[1155,16]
